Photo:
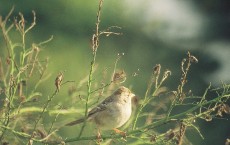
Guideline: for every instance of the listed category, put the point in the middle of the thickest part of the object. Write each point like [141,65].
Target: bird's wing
[102,106]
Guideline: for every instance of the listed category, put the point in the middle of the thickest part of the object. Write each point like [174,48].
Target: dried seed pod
[193,59]
[119,77]
[170,134]
[58,81]
[153,138]
[157,69]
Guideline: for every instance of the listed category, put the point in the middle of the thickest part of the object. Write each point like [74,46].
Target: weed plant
[22,71]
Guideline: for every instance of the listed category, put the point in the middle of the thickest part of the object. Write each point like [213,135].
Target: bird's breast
[121,114]
[114,116]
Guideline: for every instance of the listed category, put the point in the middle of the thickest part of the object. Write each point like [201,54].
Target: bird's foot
[99,138]
[122,133]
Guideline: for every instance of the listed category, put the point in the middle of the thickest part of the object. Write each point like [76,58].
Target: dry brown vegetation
[22,66]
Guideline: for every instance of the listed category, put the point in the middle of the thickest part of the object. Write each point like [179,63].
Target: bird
[111,113]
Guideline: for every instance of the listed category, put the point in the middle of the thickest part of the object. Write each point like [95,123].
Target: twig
[185,66]
[42,113]
[147,97]
[181,116]
[95,45]
[58,82]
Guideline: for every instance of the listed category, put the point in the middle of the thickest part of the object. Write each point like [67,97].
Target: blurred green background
[159,31]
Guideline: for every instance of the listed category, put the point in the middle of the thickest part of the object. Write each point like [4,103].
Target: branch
[95,45]
[178,117]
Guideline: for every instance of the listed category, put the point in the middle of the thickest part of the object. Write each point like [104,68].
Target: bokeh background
[154,32]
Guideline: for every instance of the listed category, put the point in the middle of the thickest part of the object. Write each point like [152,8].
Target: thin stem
[144,102]
[42,113]
[180,116]
[148,98]
[95,45]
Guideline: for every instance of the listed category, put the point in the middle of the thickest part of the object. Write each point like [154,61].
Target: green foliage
[29,115]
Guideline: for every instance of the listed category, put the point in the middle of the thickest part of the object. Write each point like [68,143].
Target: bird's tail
[75,122]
